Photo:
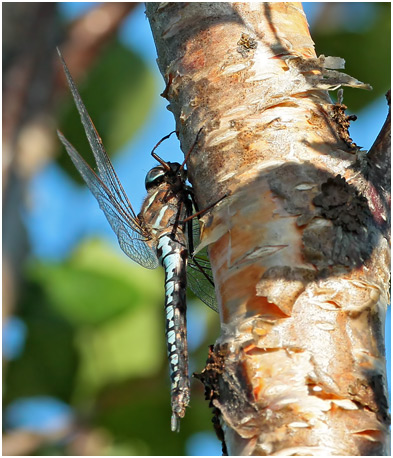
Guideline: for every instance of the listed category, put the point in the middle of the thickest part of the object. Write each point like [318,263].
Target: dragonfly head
[169,173]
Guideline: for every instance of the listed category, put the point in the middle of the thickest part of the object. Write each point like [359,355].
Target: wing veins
[103,162]
[100,187]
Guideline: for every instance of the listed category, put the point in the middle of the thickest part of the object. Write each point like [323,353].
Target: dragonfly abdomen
[172,253]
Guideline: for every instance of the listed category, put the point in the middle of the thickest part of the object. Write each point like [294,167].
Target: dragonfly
[164,232]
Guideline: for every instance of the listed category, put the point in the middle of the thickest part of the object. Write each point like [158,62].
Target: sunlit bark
[299,246]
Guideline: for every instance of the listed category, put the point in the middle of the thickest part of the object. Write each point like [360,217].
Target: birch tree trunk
[299,246]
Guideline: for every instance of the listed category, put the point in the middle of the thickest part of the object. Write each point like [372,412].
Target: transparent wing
[104,165]
[200,281]
[131,236]
[199,273]
[108,190]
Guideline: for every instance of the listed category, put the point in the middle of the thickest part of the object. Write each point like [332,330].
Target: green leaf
[96,284]
[123,348]
[48,364]
[115,309]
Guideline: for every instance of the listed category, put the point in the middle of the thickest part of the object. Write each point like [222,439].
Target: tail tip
[175,423]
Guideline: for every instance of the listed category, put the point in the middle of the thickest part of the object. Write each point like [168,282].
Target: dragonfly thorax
[172,173]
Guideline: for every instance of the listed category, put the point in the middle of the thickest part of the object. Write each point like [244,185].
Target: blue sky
[57,202]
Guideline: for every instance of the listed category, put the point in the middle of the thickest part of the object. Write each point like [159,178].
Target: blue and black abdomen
[172,253]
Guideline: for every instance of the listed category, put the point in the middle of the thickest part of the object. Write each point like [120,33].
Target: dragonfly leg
[201,212]
[177,220]
[191,149]
[156,157]
[194,260]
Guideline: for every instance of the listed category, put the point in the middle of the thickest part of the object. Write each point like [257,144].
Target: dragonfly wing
[104,165]
[199,272]
[132,239]
[200,280]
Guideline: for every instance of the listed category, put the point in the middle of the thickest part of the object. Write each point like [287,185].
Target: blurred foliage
[119,92]
[93,309]
[96,341]
[94,284]
[49,362]
[360,33]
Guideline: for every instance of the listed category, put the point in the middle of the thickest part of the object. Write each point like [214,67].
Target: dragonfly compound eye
[154,177]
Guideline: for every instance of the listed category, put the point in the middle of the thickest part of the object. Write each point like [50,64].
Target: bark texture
[299,246]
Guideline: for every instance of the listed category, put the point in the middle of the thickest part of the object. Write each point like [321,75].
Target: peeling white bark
[300,256]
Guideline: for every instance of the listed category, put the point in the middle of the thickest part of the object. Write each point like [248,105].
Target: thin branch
[89,33]
[379,156]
